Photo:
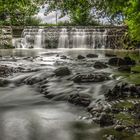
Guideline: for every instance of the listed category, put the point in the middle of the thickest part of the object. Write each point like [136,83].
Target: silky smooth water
[25,114]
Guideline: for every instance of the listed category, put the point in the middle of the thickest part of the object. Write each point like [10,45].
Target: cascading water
[82,38]
[63,39]
[38,39]
[31,38]
[77,37]
[99,39]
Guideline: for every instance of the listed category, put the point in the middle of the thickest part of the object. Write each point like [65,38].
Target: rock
[116,61]
[124,69]
[63,57]
[110,55]
[106,120]
[92,55]
[4,82]
[62,71]
[129,61]
[119,127]
[100,65]
[96,77]
[80,57]
[80,99]
[121,91]
[6,71]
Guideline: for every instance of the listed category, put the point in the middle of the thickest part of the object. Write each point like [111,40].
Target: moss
[116,134]
[136,69]
[125,104]
[125,118]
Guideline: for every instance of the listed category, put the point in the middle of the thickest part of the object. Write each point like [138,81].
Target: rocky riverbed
[88,80]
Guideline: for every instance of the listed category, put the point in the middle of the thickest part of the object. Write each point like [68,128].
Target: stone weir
[71,37]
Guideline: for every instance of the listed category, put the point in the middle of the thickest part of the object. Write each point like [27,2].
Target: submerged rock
[80,57]
[124,69]
[63,57]
[100,65]
[6,71]
[95,77]
[121,61]
[110,55]
[4,82]
[80,99]
[62,71]
[92,55]
[129,61]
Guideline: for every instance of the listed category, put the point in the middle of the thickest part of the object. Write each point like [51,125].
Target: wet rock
[92,55]
[80,99]
[100,65]
[121,61]
[80,57]
[4,82]
[123,90]
[63,57]
[116,61]
[119,127]
[106,120]
[124,69]
[110,55]
[62,71]
[96,77]
[6,71]
[129,61]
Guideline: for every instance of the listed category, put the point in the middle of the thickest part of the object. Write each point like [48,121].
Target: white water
[64,37]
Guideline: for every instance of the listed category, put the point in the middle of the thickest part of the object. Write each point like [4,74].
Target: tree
[127,11]
[79,11]
[18,10]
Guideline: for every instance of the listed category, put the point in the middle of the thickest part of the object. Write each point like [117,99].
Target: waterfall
[63,39]
[79,38]
[32,38]
[38,39]
[69,37]
[99,39]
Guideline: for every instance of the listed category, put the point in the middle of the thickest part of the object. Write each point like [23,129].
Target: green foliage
[18,10]
[33,21]
[127,11]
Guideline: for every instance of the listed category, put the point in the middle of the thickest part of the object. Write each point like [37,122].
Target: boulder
[124,69]
[96,77]
[106,120]
[80,57]
[80,99]
[100,65]
[115,61]
[122,90]
[62,71]
[92,55]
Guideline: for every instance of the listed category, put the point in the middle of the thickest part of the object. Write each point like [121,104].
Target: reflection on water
[26,115]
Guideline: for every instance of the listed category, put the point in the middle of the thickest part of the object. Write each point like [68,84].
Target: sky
[51,17]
